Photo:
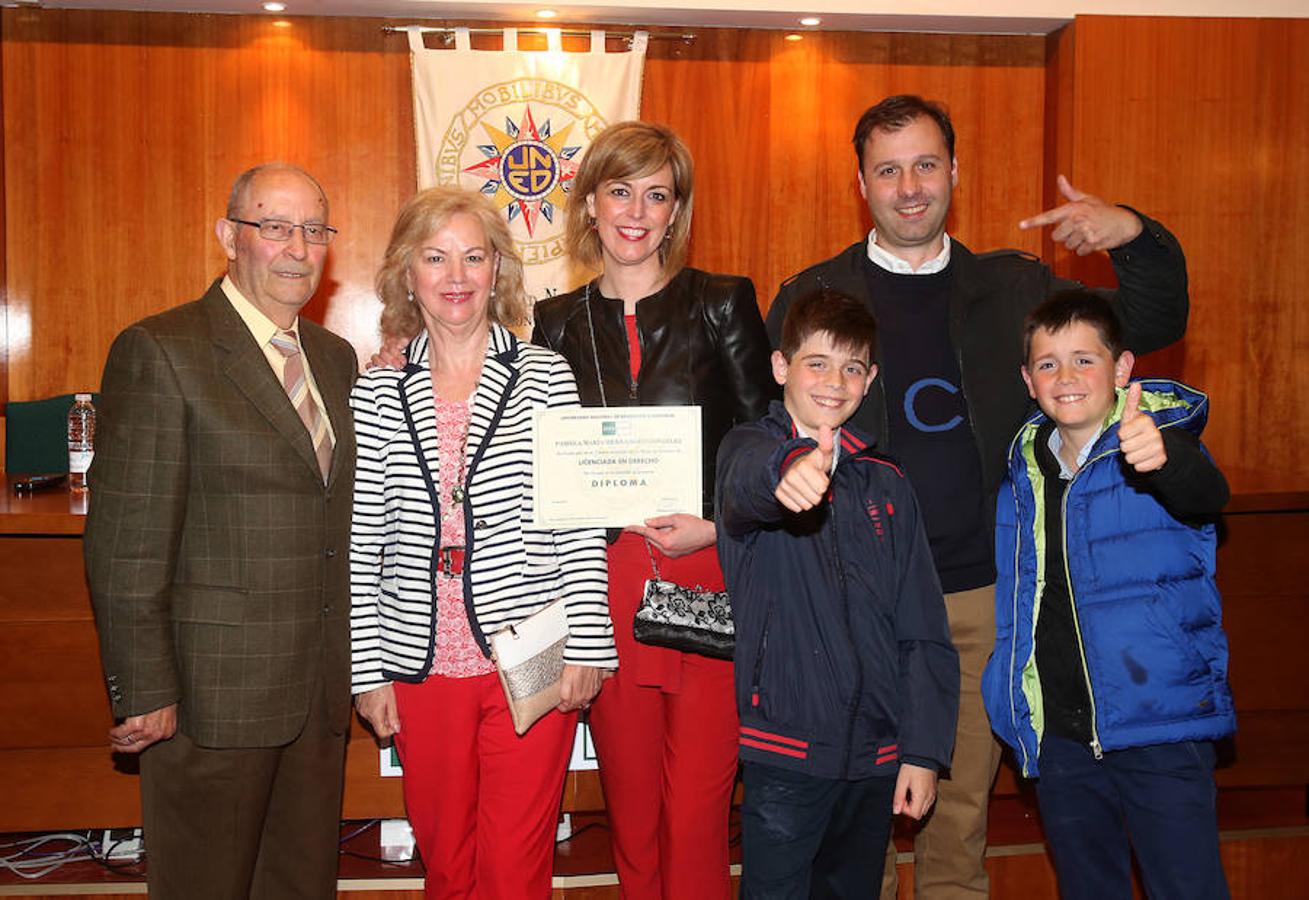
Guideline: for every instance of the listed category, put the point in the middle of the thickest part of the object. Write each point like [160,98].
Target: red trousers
[665,730]
[482,801]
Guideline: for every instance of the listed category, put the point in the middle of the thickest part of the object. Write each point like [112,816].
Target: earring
[590,221]
[493,291]
[668,234]
[410,296]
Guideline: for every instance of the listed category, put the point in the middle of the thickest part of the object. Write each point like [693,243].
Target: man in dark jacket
[951,397]
[846,681]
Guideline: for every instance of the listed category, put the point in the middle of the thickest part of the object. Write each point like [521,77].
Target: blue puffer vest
[1147,607]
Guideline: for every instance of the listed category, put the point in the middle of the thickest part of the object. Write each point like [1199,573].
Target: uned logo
[529,170]
[520,142]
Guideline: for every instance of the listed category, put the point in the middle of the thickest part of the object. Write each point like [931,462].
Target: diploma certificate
[606,467]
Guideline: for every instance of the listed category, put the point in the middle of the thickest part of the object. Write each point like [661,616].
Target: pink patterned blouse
[457,654]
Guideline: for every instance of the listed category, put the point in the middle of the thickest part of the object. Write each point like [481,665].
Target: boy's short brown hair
[846,320]
[1062,309]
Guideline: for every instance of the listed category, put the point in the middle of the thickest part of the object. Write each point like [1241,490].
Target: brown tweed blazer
[217,559]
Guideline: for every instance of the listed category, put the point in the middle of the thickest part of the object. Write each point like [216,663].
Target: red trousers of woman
[483,802]
[665,730]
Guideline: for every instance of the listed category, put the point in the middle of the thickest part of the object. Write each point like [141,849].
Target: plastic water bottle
[81,441]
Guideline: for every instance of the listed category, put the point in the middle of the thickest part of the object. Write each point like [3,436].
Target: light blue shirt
[1056,443]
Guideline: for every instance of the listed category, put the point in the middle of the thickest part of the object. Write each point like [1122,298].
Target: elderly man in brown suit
[216,550]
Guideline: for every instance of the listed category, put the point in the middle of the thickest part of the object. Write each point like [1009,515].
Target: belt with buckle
[450,560]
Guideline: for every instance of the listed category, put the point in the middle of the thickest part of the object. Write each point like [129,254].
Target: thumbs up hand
[804,484]
[1138,437]
[1086,223]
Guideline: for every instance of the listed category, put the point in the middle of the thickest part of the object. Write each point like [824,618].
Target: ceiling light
[274,7]
[811,21]
[793,37]
[546,13]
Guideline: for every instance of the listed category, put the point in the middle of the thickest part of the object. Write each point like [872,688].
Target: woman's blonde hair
[426,213]
[622,151]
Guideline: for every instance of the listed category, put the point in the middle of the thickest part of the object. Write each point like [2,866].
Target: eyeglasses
[281,230]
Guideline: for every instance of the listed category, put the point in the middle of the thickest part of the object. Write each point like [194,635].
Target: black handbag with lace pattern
[692,620]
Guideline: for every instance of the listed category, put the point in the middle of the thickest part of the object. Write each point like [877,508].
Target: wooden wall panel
[54,694]
[43,580]
[1263,585]
[124,130]
[123,133]
[1059,125]
[4,317]
[771,124]
[55,788]
[1204,123]
[715,94]
[4,302]
[118,176]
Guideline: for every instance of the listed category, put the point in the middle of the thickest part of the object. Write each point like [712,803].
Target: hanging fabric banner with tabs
[514,124]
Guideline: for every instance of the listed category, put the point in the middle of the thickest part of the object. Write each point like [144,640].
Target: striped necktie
[297,388]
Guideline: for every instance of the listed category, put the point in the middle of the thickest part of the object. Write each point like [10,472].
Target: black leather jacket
[991,295]
[702,343]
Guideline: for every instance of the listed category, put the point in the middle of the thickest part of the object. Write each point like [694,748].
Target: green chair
[36,435]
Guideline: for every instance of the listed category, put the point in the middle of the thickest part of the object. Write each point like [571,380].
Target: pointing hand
[1086,223]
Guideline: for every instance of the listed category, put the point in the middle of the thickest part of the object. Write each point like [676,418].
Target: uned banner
[514,125]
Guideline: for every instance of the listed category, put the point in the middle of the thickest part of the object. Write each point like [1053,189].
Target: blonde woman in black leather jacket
[650,331]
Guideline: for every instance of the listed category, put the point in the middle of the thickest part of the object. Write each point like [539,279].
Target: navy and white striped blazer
[512,569]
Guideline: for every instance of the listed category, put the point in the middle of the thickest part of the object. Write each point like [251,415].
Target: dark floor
[1014,821]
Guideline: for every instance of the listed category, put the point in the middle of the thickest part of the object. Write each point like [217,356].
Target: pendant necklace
[457,491]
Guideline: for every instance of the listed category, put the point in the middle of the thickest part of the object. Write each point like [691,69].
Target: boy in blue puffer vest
[1109,677]
[847,684]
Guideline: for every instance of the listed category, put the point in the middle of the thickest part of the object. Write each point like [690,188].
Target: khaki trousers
[263,822]
[950,849]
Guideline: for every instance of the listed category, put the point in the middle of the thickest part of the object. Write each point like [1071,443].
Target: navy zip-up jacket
[844,665]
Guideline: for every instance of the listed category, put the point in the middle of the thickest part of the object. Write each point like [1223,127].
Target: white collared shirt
[897,266]
[262,329]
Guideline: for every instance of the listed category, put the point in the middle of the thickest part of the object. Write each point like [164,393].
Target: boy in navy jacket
[1109,677]
[847,684]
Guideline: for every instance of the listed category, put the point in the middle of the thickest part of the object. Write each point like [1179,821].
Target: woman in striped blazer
[443,552]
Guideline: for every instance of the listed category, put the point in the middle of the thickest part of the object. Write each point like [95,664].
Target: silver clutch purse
[529,658]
